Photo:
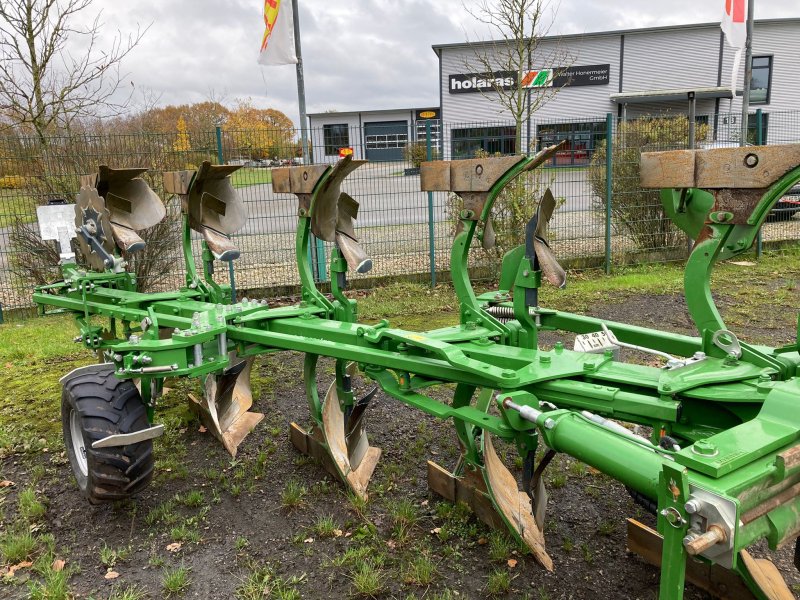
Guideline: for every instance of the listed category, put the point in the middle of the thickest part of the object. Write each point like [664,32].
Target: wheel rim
[78,445]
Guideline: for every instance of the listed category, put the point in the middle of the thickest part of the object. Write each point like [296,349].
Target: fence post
[759,142]
[221,161]
[609,187]
[220,156]
[431,230]
[322,271]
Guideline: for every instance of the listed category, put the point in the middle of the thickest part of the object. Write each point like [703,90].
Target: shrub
[417,153]
[13,182]
[636,210]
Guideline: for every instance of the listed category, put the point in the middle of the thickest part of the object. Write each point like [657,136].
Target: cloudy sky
[358,54]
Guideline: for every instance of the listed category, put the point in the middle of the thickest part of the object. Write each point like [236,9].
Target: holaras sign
[465,83]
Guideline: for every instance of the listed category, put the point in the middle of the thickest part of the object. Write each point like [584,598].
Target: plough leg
[484,483]
[339,439]
[225,406]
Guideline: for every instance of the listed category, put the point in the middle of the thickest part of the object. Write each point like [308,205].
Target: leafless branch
[43,86]
[516,29]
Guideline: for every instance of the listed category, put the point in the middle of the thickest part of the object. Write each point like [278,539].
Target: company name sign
[465,83]
[587,75]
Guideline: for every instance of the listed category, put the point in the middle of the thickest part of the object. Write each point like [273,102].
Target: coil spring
[504,314]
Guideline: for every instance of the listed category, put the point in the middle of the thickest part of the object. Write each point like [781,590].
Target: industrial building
[377,135]
[628,73]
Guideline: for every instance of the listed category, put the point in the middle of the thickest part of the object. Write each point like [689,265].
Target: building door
[385,140]
[581,140]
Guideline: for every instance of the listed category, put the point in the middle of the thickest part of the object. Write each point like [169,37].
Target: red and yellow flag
[735,28]
[277,45]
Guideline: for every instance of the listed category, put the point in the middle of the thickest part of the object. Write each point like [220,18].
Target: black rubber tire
[105,405]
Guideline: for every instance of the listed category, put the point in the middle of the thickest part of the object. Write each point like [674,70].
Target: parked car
[287,162]
[787,206]
[257,163]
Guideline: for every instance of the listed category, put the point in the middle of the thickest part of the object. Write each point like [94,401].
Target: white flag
[734,26]
[277,46]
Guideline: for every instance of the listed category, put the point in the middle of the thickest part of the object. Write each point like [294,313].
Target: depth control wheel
[94,405]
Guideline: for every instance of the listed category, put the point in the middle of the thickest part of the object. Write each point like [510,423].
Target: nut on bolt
[692,506]
[700,543]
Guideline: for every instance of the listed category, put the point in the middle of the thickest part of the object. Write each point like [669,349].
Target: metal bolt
[704,448]
[525,273]
[134,339]
[692,506]
[699,355]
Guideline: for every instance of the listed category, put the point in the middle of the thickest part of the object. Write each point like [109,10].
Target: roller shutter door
[385,140]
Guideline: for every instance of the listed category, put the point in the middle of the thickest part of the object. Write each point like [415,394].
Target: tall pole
[301,85]
[318,248]
[748,71]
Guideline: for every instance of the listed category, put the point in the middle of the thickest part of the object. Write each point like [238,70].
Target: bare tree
[507,62]
[42,85]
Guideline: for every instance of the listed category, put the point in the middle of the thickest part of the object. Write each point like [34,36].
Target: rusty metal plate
[474,201]
[479,174]
[790,458]
[218,171]
[177,182]
[673,169]
[739,202]
[746,167]
[280,181]
[434,176]
[304,203]
[107,174]
[303,179]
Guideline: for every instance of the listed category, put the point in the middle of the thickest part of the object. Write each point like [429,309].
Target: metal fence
[601,221]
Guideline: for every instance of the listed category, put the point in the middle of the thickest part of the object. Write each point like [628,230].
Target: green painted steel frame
[746,408]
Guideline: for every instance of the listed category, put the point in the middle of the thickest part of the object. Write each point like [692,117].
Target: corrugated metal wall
[678,57]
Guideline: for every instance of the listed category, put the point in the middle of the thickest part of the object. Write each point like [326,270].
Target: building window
[491,140]
[761,81]
[422,131]
[581,140]
[384,142]
[336,136]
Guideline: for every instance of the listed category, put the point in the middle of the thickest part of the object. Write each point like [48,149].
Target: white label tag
[596,342]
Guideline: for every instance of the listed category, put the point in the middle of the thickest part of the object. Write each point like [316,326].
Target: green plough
[719,466]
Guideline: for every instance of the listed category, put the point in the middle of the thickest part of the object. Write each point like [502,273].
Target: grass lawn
[16,204]
[251,176]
